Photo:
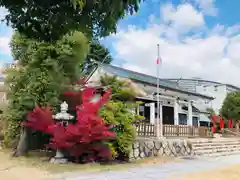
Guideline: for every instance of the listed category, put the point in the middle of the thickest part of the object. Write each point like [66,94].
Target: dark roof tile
[148,79]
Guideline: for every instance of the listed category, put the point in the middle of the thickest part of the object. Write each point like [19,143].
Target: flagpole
[158,127]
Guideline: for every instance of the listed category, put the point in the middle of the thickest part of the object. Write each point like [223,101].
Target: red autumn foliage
[71,93]
[40,119]
[86,137]
[73,97]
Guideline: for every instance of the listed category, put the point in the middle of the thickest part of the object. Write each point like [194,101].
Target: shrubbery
[2,120]
[43,69]
[86,139]
[92,138]
[50,53]
[119,112]
[2,124]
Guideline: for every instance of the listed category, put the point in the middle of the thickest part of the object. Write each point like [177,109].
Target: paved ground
[162,172]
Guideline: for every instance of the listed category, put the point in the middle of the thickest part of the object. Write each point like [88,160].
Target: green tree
[49,58]
[49,20]
[211,112]
[119,112]
[231,107]
[43,70]
[97,53]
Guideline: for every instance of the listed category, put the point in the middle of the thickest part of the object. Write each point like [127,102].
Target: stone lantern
[64,118]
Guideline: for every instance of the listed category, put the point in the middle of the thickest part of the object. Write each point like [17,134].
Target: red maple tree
[86,138]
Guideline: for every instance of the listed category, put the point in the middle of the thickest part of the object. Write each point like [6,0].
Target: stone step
[229,146]
[216,147]
[212,151]
[213,144]
[214,140]
[216,154]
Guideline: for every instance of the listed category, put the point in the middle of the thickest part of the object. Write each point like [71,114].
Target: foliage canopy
[97,53]
[43,69]
[119,112]
[86,139]
[231,106]
[211,112]
[49,20]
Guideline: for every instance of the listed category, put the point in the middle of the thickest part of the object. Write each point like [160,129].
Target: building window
[195,121]
[182,119]
[141,110]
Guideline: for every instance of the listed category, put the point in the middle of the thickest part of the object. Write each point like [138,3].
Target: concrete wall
[218,92]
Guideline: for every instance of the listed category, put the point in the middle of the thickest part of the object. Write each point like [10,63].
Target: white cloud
[208,7]
[233,50]
[182,17]
[214,56]
[4,45]
[5,34]
[3,12]
[5,38]
[4,48]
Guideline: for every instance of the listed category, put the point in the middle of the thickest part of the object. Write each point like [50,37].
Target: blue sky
[227,14]
[198,38]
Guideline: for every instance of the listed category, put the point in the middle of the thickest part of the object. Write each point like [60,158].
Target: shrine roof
[147,79]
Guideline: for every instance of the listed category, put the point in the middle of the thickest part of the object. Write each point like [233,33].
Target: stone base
[143,148]
[217,135]
[160,138]
[56,160]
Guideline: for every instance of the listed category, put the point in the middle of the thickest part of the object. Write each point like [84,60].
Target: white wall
[95,78]
[149,89]
[218,92]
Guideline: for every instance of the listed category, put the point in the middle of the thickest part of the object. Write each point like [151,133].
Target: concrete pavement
[160,172]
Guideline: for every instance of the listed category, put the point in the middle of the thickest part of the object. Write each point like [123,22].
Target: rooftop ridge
[169,85]
[203,80]
[146,75]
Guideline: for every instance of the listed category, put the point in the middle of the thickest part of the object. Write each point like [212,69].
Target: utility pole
[159,127]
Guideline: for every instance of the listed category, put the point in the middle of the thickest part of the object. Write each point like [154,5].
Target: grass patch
[40,160]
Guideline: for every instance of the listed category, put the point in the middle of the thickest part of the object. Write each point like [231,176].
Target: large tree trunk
[23,146]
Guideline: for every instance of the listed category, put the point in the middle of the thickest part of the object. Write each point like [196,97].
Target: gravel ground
[161,172]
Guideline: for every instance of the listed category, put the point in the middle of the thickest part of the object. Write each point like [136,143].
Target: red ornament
[214,122]
[221,123]
[229,124]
